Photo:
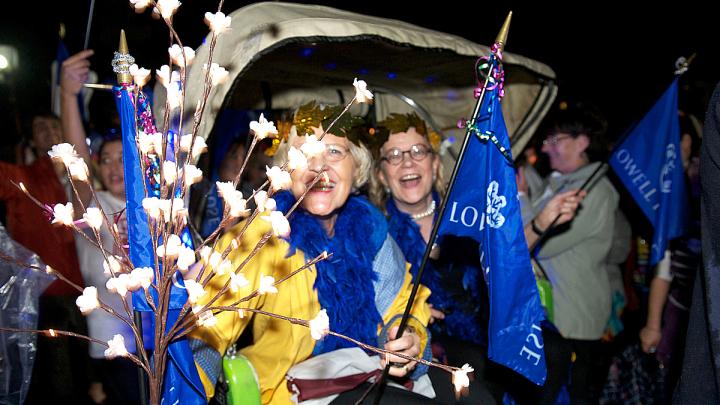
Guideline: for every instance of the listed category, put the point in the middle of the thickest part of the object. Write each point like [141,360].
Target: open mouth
[410,180]
[323,186]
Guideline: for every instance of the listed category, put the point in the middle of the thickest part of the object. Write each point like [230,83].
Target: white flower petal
[279,179]
[320,325]
[63,214]
[88,301]
[116,348]
[263,128]
[362,94]
[279,224]
[94,218]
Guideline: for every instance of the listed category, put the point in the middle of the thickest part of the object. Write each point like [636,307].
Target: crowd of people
[581,243]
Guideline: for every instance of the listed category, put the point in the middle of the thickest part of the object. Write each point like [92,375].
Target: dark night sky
[619,59]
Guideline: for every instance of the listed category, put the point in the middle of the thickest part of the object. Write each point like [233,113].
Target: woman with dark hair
[574,256]
[112,381]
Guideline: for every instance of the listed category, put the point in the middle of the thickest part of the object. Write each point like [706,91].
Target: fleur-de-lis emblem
[495,202]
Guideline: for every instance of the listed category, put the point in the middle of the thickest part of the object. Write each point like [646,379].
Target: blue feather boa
[455,280]
[344,282]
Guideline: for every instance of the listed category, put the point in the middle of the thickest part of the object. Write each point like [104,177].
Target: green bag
[546,293]
[242,381]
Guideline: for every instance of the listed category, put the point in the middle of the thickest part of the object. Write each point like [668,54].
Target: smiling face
[410,181]
[566,153]
[328,195]
[46,132]
[111,168]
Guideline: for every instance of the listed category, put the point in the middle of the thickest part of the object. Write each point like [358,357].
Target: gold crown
[396,123]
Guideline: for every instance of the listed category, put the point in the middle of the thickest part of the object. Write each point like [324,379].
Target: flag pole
[125,79]
[500,41]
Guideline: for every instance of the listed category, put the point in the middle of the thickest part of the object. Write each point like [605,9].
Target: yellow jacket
[277,344]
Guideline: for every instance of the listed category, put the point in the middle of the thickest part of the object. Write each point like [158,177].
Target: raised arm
[74,73]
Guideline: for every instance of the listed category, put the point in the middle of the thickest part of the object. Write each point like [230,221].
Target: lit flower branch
[167,215]
[116,346]
[362,95]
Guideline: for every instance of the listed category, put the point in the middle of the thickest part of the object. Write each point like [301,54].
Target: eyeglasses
[417,152]
[335,153]
[555,139]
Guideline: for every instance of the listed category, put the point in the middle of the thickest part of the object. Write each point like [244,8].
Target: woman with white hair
[364,285]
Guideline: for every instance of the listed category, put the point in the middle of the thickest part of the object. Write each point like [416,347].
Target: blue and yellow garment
[455,278]
[363,286]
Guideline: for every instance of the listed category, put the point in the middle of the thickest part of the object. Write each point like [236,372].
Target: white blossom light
[167,8]
[63,214]
[237,281]
[142,276]
[116,348]
[171,248]
[263,128]
[297,159]
[140,75]
[460,377]
[312,147]
[88,301]
[280,224]
[320,326]
[266,285]
[112,265]
[279,178]
[93,217]
[362,94]
[176,54]
[217,22]
[119,284]
[195,290]
[186,258]
[218,74]
[63,152]
[78,170]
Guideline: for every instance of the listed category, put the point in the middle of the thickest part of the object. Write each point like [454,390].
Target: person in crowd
[112,381]
[206,205]
[574,256]
[364,285]
[699,378]
[60,370]
[671,289]
[408,186]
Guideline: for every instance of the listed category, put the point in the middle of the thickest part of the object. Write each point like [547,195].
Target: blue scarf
[456,287]
[344,282]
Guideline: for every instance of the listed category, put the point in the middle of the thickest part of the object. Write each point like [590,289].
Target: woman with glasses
[575,256]
[409,186]
[363,286]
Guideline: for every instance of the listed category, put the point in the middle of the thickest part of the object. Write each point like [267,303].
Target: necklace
[427,213]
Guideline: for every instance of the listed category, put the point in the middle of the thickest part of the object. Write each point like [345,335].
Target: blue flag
[483,205]
[182,383]
[60,57]
[649,163]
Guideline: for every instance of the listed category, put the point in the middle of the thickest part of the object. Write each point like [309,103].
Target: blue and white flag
[182,383]
[649,163]
[483,205]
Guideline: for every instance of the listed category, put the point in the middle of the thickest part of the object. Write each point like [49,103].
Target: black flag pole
[500,42]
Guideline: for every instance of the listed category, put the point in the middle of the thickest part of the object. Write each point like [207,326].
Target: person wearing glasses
[363,286]
[409,187]
[575,255]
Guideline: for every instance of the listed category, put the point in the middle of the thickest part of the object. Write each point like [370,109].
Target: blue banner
[483,205]
[649,163]
[182,383]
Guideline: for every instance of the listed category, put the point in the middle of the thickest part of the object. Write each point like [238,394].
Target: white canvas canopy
[282,55]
